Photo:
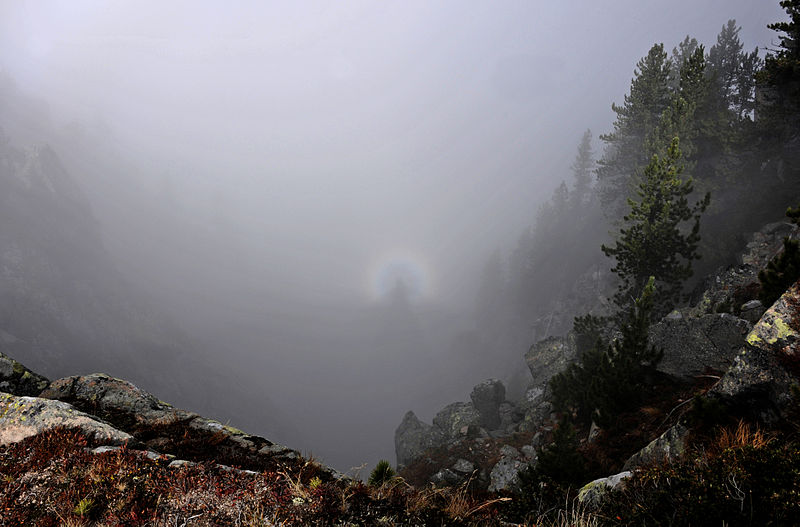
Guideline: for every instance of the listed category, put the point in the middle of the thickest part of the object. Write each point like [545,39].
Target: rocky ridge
[114,412]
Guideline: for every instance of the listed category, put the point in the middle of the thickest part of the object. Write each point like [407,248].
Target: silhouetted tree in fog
[625,154]
[583,171]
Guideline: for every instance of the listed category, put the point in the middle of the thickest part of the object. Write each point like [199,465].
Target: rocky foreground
[95,450]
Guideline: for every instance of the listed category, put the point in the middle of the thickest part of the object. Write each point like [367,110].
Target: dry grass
[574,517]
[743,436]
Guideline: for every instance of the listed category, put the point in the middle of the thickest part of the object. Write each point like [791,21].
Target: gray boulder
[22,417]
[18,380]
[486,398]
[769,361]
[505,473]
[668,446]
[549,357]
[529,451]
[413,437]
[113,399]
[463,466]
[458,421]
[592,494]
[693,344]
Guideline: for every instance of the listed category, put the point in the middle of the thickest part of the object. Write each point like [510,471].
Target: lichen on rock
[22,417]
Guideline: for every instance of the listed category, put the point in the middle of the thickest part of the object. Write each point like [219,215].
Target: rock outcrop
[505,474]
[728,290]
[478,429]
[693,345]
[549,357]
[458,420]
[22,417]
[486,398]
[166,429]
[768,364]
[488,414]
[412,438]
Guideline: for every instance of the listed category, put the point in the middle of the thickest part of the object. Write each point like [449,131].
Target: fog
[310,190]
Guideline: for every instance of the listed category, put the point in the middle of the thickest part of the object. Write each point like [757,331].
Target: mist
[310,191]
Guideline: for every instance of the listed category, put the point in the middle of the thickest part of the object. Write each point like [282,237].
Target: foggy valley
[290,216]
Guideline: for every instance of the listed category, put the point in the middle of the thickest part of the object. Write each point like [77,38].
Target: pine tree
[610,378]
[690,117]
[652,241]
[732,71]
[560,460]
[680,54]
[622,375]
[625,154]
[575,390]
[779,89]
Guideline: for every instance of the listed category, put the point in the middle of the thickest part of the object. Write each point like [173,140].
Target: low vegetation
[54,479]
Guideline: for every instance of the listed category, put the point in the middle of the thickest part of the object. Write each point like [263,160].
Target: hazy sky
[341,133]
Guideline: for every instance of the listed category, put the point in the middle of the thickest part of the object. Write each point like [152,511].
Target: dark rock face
[730,289]
[169,430]
[769,361]
[413,437]
[486,398]
[16,379]
[691,345]
[60,291]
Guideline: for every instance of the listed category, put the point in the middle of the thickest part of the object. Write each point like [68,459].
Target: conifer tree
[610,378]
[625,154]
[680,54]
[779,83]
[560,460]
[653,240]
[688,116]
[621,377]
[732,71]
